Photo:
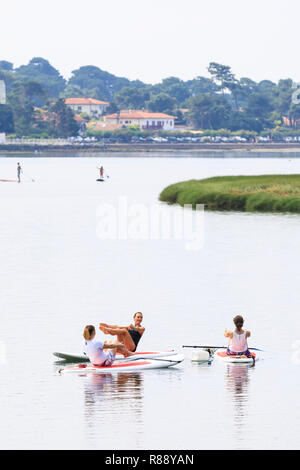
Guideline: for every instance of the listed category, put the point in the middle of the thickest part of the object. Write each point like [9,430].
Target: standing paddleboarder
[19,171]
[101,172]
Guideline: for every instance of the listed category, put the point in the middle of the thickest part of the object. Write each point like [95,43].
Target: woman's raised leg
[123,336]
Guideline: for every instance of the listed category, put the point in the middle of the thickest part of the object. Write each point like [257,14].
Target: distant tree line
[36,93]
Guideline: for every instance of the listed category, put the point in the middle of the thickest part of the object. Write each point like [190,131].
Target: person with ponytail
[94,349]
[237,344]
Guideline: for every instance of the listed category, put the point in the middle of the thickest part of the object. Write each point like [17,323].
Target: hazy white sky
[154,39]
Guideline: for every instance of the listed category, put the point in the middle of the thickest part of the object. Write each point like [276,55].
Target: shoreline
[251,148]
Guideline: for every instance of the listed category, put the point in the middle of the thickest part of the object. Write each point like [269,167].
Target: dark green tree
[242,92]
[161,103]
[105,84]
[63,123]
[201,86]
[5,65]
[209,111]
[259,106]
[222,76]
[284,93]
[6,119]
[132,97]
[39,70]
[241,121]
[22,98]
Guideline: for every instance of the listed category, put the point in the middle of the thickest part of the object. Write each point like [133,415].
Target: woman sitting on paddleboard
[94,349]
[128,335]
[238,345]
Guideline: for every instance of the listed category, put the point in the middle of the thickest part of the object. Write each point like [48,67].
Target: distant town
[93,106]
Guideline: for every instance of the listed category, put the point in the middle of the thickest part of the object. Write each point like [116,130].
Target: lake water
[57,275]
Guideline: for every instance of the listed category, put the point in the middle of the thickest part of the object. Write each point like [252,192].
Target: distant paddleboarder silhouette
[101,172]
[19,171]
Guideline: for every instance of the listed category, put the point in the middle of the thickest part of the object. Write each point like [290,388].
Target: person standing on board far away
[128,335]
[19,171]
[94,348]
[101,172]
[237,345]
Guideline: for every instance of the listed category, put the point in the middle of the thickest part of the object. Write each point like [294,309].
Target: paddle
[132,358]
[28,177]
[219,347]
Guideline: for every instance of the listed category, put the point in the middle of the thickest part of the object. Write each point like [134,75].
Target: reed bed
[263,193]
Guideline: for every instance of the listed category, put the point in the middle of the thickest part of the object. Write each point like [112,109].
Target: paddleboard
[137,355]
[126,366]
[221,355]
[9,181]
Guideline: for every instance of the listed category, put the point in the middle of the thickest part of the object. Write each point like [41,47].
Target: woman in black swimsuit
[128,335]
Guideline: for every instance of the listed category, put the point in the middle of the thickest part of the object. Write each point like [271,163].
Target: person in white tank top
[101,353]
[237,344]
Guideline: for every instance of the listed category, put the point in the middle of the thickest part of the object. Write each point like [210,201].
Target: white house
[92,107]
[144,119]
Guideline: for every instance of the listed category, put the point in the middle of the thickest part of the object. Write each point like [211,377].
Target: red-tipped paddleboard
[221,354]
[137,355]
[9,181]
[128,366]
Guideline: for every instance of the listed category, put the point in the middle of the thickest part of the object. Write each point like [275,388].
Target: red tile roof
[137,114]
[103,126]
[84,101]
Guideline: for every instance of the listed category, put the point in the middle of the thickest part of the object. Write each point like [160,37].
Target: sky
[154,39]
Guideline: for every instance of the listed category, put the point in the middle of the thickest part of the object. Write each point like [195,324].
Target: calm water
[57,275]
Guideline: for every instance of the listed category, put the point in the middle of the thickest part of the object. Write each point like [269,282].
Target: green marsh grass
[263,193]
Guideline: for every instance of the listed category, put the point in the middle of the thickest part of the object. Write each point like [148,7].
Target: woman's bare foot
[103,327]
[128,354]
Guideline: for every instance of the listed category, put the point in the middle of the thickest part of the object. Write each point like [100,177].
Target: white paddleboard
[128,366]
[221,355]
[137,355]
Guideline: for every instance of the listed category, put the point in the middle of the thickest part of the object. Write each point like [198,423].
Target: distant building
[291,122]
[143,119]
[2,92]
[92,107]
[2,101]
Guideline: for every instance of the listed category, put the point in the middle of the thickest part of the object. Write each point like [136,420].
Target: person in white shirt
[237,344]
[94,349]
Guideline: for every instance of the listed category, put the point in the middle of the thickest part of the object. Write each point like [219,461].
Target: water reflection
[117,397]
[237,385]
[119,386]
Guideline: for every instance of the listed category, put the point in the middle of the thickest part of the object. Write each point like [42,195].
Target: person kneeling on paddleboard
[128,335]
[94,349]
[238,345]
